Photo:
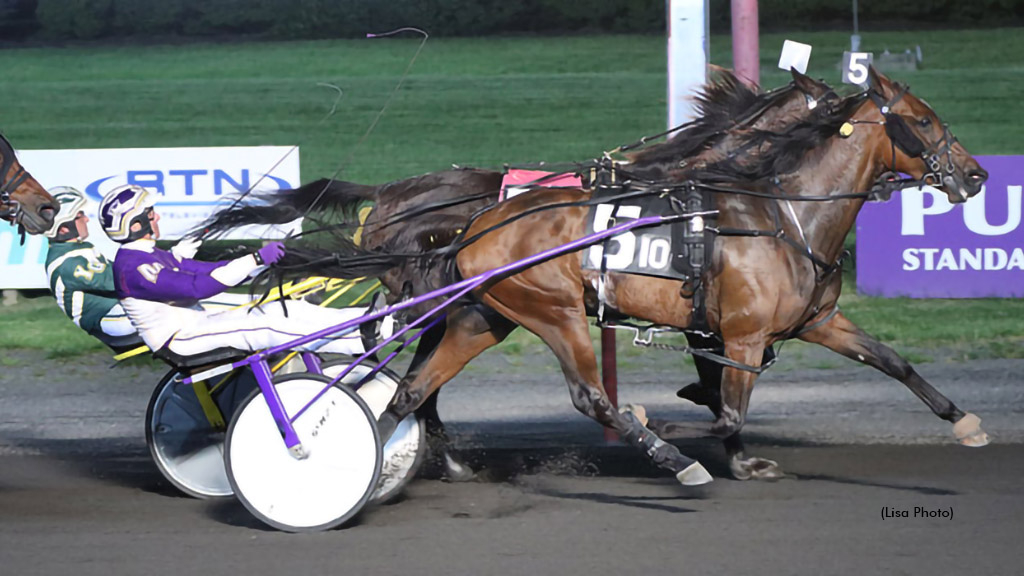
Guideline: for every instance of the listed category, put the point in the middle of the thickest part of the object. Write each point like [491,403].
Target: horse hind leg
[841,335]
[469,331]
[454,468]
[567,335]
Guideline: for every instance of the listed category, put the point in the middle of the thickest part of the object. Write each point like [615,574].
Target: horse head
[921,145]
[23,201]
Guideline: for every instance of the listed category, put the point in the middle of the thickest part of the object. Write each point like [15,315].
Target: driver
[160,291]
[81,279]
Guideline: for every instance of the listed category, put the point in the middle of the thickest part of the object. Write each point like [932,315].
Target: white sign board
[192,184]
[795,55]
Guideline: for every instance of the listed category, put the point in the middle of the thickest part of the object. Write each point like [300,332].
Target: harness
[902,137]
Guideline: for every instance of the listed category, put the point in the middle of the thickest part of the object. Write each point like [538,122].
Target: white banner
[191,182]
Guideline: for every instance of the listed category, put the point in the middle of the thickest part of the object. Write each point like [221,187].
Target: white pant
[265,327]
[116,323]
[120,329]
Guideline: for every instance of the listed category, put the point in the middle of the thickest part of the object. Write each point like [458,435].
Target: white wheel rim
[403,448]
[186,449]
[320,491]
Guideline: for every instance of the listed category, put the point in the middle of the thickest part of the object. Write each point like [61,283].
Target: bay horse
[428,211]
[759,290]
[23,201]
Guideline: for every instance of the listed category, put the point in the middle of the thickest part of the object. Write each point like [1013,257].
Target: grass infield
[479,102]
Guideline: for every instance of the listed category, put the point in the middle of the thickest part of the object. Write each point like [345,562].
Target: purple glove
[270,253]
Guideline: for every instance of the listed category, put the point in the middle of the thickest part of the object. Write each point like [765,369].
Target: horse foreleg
[737,385]
[706,391]
[843,336]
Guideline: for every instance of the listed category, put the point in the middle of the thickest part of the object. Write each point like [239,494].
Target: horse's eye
[926,122]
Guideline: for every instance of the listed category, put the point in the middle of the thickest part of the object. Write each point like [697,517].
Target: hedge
[96,19]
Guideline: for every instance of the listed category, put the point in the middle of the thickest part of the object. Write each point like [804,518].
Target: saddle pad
[517,181]
[677,251]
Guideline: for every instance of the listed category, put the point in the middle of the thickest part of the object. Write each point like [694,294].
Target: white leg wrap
[968,431]
[694,475]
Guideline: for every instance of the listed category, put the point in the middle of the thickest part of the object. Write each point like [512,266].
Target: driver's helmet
[124,206]
[71,202]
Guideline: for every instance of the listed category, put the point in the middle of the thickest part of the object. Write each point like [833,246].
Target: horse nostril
[977,177]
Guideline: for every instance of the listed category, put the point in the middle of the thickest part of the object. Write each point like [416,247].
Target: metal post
[746,58]
[687,56]
[609,375]
[855,39]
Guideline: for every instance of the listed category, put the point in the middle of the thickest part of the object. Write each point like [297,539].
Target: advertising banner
[191,183]
[919,245]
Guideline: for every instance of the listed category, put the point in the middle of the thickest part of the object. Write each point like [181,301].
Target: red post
[608,375]
[746,59]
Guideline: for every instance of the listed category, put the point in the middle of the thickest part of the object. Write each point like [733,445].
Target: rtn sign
[919,245]
[187,181]
[190,183]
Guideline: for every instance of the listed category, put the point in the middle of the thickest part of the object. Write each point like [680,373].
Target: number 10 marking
[654,252]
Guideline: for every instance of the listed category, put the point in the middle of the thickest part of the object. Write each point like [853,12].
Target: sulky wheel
[405,452]
[327,487]
[186,447]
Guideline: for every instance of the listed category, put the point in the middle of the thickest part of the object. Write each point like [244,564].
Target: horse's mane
[766,153]
[722,104]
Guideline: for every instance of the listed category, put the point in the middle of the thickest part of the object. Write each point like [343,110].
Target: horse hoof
[694,475]
[456,471]
[968,431]
[755,469]
[639,411]
[696,393]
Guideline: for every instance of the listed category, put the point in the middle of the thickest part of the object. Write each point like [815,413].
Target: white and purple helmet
[124,206]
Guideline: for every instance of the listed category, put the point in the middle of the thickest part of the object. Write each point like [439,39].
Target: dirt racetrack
[78,494]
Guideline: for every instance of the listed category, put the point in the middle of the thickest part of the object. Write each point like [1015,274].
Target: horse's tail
[323,199]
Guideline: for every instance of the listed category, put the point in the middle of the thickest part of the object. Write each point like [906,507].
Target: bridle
[902,137]
[10,209]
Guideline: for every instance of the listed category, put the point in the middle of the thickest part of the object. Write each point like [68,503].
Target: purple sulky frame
[260,367]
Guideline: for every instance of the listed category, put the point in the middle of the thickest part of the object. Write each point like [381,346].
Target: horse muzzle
[34,221]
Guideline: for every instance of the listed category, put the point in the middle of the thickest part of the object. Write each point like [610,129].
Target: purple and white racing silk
[160,292]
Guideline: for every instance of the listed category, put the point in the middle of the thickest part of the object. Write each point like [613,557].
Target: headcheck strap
[901,136]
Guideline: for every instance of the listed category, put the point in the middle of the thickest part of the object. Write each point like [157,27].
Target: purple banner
[919,245]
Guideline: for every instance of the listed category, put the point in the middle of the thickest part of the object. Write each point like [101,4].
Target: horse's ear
[875,81]
[806,84]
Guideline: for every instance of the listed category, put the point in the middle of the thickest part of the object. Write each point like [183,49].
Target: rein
[902,137]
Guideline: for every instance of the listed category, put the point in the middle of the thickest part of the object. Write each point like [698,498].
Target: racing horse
[23,201]
[428,211]
[759,288]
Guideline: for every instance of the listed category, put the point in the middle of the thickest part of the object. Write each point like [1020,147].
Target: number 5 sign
[855,67]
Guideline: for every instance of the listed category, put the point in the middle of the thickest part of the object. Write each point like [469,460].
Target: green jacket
[82,281]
